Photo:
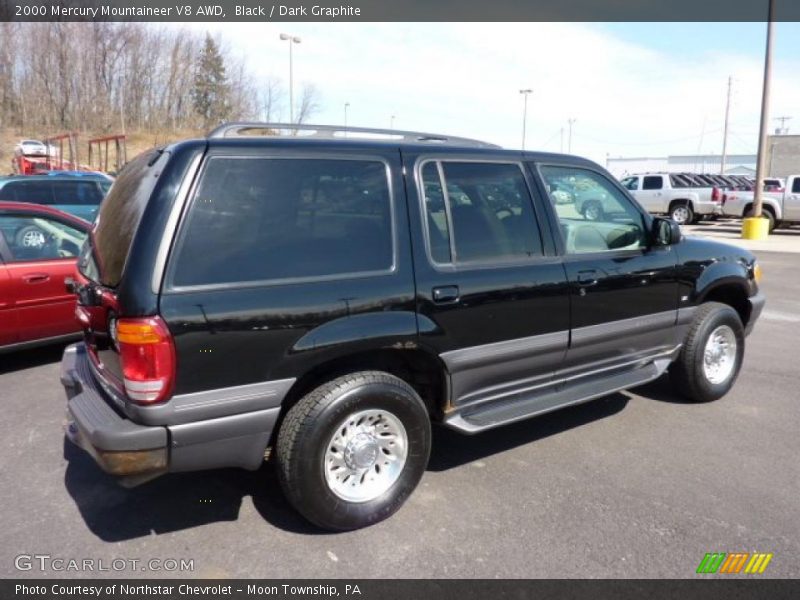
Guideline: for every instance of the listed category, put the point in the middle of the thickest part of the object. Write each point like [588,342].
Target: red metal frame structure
[102,143]
[72,146]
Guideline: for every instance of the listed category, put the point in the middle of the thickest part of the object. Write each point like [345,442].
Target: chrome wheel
[592,212]
[680,214]
[719,355]
[33,238]
[366,455]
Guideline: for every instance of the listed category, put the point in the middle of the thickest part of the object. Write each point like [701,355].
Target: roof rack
[331,132]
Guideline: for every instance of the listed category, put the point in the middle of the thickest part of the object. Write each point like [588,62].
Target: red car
[39,247]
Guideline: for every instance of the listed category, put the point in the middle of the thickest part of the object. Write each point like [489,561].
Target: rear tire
[350,452]
[712,354]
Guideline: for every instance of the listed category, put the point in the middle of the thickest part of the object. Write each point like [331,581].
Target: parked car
[32,148]
[685,199]
[781,208]
[331,297]
[76,192]
[38,251]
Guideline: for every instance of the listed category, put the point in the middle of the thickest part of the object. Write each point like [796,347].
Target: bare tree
[310,101]
[272,99]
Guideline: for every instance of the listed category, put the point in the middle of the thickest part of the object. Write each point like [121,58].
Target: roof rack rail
[240,129]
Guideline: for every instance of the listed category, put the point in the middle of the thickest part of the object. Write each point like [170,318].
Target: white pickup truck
[674,195]
[781,208]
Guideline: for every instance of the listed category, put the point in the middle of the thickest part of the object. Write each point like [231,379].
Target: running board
[516,407]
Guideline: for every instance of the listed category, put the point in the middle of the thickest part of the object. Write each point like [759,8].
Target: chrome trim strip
[265,391]
[213,404]
[594,333]
[476,356]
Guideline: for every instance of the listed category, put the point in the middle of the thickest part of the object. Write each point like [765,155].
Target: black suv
[332,294]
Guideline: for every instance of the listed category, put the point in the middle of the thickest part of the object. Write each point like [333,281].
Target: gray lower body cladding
[120,445]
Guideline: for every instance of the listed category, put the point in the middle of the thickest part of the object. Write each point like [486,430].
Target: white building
[735,164]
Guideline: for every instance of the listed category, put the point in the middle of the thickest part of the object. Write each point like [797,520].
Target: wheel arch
[732,291]
[421,368]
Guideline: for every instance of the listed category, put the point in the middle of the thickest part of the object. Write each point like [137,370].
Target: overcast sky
[633,89]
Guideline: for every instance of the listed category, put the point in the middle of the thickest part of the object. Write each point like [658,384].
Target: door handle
[36,278]
[445,294]
[587,278]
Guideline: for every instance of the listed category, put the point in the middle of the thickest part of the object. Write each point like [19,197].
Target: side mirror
[665,232]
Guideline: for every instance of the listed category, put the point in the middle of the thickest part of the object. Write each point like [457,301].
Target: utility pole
[391,122]
[346,106]
[569,143]
[725,129]
[562,140]
[754,227]
[783,130]
[525,93]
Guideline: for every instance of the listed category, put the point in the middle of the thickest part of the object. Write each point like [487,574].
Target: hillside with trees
[153,82]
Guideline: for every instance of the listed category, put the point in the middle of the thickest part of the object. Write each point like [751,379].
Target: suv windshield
[119,217]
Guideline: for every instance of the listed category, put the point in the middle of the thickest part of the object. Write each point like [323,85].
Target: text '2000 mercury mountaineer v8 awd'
[331,296]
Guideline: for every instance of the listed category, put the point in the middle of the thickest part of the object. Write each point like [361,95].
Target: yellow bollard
[755,228]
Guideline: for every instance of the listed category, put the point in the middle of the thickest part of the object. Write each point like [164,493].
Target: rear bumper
[707,208]
[756,306]
[139,452]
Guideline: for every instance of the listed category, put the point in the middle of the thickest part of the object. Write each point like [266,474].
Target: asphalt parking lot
[637,484]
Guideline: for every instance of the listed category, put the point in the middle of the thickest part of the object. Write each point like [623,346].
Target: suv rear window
[119,217]
[36,192]
[265,219]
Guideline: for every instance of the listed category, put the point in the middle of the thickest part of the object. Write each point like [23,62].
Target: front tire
[681,213]
[350,452]
[712,354]
[593,211]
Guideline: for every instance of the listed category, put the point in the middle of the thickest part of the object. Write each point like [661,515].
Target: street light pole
[292,39]
[754,227]
[525,93]
[346,106]
[391,122]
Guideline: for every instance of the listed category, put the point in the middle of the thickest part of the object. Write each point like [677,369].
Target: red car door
[8,314]
[43,250]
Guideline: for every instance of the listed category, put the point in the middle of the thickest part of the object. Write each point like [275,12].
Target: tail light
[147,355]
[715,194]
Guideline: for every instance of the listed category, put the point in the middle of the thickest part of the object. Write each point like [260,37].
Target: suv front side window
[485,215]
[600,218]
[631,183]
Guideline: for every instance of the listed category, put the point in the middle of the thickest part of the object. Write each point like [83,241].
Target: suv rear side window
[265,219]
[486,213]
[36,192]
[84,193]
[652,182]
